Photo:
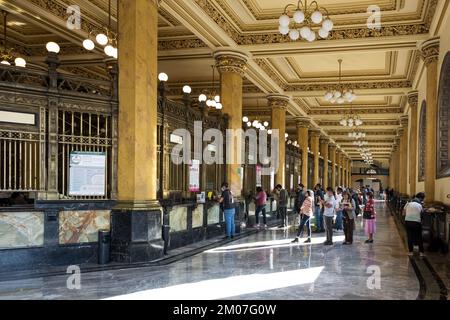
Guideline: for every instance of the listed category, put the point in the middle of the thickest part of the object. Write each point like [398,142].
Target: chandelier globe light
[356,135]
[341,94]
[211,98]
[305,19]
[257,124]
[106,38]
[7,55]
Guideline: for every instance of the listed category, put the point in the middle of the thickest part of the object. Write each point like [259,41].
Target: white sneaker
[422,255]
[265,226]
[257,226]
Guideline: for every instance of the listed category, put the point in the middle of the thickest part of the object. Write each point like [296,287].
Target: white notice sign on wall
[87,174]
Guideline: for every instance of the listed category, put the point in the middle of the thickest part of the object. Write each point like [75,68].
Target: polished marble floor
[262,266]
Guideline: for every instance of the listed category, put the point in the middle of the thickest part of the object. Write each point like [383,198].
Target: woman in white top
[413,223]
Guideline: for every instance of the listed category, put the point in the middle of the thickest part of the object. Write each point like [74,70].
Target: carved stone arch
[422,132]
[443,128]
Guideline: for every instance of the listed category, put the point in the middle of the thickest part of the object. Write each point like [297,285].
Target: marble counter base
[262,266]
[82,226]
[21,229]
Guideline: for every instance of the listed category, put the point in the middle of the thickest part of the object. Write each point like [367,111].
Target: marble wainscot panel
[214,214]
[197,216]
[21,229]
[178,218]
[82,226]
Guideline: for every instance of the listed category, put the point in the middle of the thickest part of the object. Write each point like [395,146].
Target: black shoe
[226,238]
[232,237]
[308,240]
[346,243]
[295,240]
[328,243]
[368,241]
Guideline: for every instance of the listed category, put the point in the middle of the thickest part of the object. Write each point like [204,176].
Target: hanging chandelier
[351,121]
[341,93]
[356,134]
[107,39]
[7,55]
[257,124]
[360,143]
[304,19]
[211,98]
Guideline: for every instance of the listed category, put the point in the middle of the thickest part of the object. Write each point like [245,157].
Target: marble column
[396,170]
[303,124]
[137,137]
[345,172]
[430,55]
[324,141]
[413,141]
[403,169]
[231,66]
[338,168]
[349,173]
[333,164]
[315,136]
[278,105]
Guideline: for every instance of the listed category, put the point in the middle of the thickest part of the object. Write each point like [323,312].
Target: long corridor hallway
[262,266]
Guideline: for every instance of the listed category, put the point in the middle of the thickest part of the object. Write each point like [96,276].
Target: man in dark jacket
[282,204]
[300,197]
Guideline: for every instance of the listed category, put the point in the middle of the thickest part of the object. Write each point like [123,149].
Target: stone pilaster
[231,66]
[430,55]
[403,133]
[413,141]
[332,155]
[303,124]
[324,141]
[315,136]
[278,105]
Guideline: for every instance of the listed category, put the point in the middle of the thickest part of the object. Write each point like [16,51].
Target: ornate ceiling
[381,65]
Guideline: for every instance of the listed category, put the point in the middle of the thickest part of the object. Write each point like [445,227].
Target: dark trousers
[283,212]
[414,234]
[305,220]
[258,210]
[349,225]
[329,228]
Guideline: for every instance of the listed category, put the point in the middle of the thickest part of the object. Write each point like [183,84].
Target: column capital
[413,98]
[324,140]
[231,62]
[430,50]
[303,122]
[277,101]
[404,120]
[314,132]
[400,132]
[332,146]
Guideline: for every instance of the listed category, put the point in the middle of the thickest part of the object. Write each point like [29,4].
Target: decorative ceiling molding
[360,111]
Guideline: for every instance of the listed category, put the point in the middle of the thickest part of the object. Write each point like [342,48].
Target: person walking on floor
[348,206]
[260,202]
[301,195]
[413,222]
[306,212]
[318,199]
[369,216]
[339,222]
[227,203]
[329,204]
[282,204]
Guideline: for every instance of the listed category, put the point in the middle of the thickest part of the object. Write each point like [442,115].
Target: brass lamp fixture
[304,20]
[211,98]
[7,55]
[341,93]
[108,38]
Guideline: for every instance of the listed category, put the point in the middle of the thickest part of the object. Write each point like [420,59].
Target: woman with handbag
[348,209]
[306,213]
[370,218]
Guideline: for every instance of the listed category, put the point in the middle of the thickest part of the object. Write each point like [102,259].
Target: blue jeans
[304,221]
[229,221]
[319,218]
[339,222]
[258,210]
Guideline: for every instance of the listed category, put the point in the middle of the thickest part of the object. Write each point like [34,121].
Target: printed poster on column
[194,176]
[87,171]
[258,176]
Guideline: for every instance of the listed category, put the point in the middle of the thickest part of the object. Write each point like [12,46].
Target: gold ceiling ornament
[8,56]
[107,39]
[341,93]
[304,19]
[233,62]
[210,97]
